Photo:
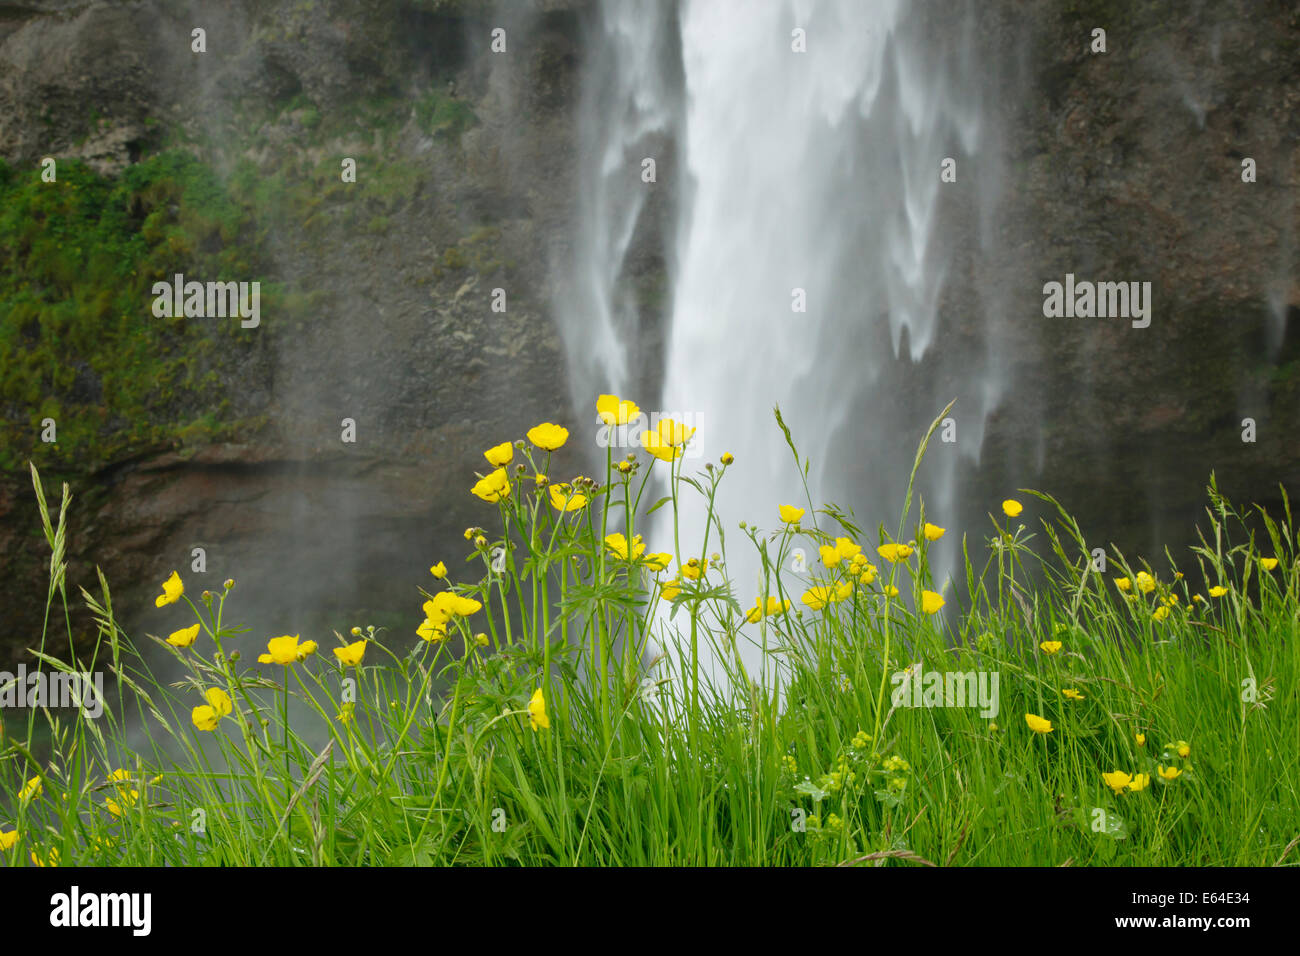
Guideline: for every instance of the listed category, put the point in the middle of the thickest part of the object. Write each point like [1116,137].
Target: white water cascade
[628,103]
[810,257]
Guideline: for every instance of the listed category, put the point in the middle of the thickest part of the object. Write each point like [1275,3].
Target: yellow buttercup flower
[207,716]
[219,701]
[7,840]
[280,650]
[774,606]
[51,860]
[1011,508]
[1139,782]
[481,639]
[1145,582]
[500,455]
[693,568]
[1037,724]
[790,514]
[671,589]
[1050,647]
[933,532]
[846,548]
[1071,694]
[172,591]
[667,441]
[616,411]
[537,711]
[204,718]
[1117,780]
[894,553]
[658,560]
[1160,614]
[125,800]
[618,544]
[891,591]
[1168,773]
[1268,564]
[931,601]
[830,557]
[672,433]
[1183,749]
[1140,738]
[1218,591]
[439,570]
[493,487]
[351,655]
[447,604]
[433,629]
[548,436]
[31,789]
[1124,584]
[564,498]
[817,597]
[306,649]
[184,637]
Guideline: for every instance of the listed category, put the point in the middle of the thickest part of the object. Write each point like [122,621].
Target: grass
[533,721]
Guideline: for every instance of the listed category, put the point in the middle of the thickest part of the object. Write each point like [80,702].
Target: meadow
[573,697]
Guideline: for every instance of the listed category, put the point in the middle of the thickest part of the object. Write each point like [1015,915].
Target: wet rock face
[1128,166]
[405,344]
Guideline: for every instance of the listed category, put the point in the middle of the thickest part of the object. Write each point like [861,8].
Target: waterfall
[628,105]
[810,256]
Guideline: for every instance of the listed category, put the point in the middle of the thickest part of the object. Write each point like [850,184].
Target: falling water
[810,256]
[629,106]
